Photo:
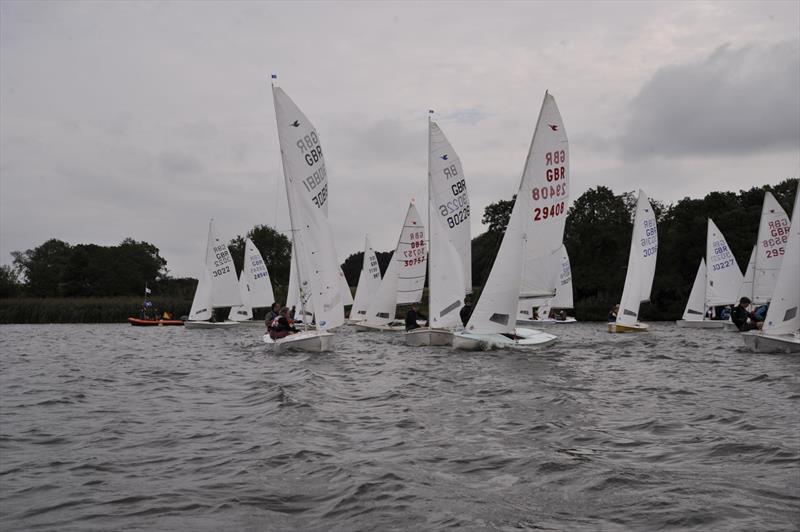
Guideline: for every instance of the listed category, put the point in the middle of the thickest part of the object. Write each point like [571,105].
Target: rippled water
[111,427]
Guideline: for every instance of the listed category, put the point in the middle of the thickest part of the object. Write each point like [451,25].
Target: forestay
[783,316]
[368,282]
[449,201]
[307,191]
[534,230]
[641,262]
[773,233]
[695,307]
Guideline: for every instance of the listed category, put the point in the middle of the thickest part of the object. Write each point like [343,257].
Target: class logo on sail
[554,127]
[296,123]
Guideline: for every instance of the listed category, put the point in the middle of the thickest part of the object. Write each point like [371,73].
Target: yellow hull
[619,328]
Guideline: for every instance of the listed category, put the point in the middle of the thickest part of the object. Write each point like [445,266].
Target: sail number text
[309,148]
[415,255]
[779,230]
[222,255]
[650,241]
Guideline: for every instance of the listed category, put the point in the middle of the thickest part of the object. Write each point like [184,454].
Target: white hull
[701,324]
[307,341]
[546,321]
[614,327]
[210,324]
[527,338]
[252,323]
[759,342]
[427,336]
[364,327]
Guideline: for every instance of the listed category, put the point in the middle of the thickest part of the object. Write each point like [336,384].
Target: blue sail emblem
[444,157]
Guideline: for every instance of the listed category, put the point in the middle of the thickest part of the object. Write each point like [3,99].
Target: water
[110,427]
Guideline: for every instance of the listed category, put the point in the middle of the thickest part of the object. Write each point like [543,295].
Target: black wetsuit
[411,319]
[740,316]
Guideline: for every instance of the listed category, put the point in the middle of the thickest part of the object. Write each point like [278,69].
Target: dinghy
[536,311]
[217,286]
[403,280]
[715,285]
[781,330]
[368,283]
[641,269]
[534,233]
[449,246]
[315,259]
[254,286]
[759,281]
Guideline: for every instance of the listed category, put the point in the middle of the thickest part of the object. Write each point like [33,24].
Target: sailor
[466,310]
[612,316]
[744,319]
[412,316]
[281,326]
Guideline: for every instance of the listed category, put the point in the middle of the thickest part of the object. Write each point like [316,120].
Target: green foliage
[496,215]
[9,283]
[83,309]
[57,269]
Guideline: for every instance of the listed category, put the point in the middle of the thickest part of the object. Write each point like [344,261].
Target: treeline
[69,282]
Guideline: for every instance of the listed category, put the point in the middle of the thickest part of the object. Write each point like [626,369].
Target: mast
[291,219]
[430,232]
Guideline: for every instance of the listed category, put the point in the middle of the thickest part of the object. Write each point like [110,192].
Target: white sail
[344,289]
[244,311]
[368,282]
[412,258]
[307,191]
[201,304]
[295,298]
[382,307]
[548,166]
[724,278]
[783,315]
[746,290]
[255,286]
[535,228]
[696,306]
[563,297]
[406,265]
[641,262]
[446,283]
[773,233]
[449,201]
[224,285]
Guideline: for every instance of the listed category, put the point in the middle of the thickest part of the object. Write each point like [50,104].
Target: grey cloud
[173,162]
[736,101]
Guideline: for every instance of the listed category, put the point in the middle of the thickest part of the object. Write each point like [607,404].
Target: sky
[145,119]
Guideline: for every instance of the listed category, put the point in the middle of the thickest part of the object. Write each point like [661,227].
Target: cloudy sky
[145,119]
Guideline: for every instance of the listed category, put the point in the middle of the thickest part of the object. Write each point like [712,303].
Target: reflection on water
[113,427]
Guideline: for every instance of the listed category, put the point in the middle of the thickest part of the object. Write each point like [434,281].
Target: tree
[496,215]
[9,283]
[42,268]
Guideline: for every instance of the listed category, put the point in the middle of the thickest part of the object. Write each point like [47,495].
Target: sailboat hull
[365,327]
[428,336]
[619,328]
[547,321]
[306,341]
[759,342]
[730,327]
[136,322]
[210,324]
[525,338]
[701,324]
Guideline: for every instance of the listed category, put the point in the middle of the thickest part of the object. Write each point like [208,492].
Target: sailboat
[369,280]
[304,312]
[536,311]
[759,280]
[315,259]
[403,280]
[714,285]
[534,232]
[217,286]
[641,269]
[781,330]
[449,244]
[254,286]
